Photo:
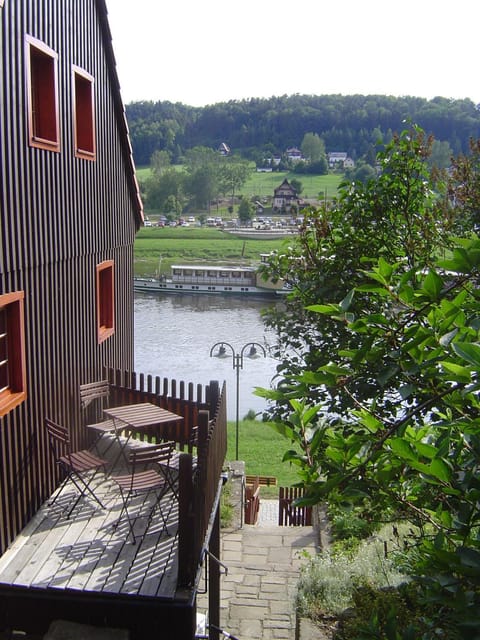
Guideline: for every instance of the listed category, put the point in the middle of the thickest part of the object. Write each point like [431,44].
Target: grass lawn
[165,246]
[262,184]
[262,449]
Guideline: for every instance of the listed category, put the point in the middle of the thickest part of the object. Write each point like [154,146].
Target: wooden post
[214,579]
[213,395]
[186,568]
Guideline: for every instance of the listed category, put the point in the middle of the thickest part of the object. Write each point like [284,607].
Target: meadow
[261,184]
[262,450]
[157,248]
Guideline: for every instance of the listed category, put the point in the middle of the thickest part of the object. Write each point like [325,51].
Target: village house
[339,159]
[223,149]
[284,197]
[294,155]
[70,209]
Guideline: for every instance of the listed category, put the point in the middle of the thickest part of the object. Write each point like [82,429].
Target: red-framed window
[105,300]
[13,377]
[83,114]
[42,95]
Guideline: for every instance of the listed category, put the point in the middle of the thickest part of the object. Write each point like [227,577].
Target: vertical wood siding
[60,217]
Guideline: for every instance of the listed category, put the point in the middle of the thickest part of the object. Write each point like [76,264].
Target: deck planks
[86,552]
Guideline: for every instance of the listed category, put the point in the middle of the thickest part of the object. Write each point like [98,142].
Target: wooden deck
[88,555]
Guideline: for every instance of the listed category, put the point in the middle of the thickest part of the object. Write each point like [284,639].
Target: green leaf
[458,373]
[440,469]
[402,448]
[334,369]
[387,373]
[326,309]
[468,351]
[384,268]
[347,301]
[432,285]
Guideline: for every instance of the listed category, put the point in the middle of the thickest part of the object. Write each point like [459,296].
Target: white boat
[212,279]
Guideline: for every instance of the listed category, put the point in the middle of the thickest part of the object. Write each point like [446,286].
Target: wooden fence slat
[289,514]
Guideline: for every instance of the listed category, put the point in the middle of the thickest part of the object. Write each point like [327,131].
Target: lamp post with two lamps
[226,350]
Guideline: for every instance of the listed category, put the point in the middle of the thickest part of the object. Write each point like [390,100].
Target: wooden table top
[142,415]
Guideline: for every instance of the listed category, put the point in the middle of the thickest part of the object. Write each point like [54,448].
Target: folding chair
[149,473]
[76,465]
[97,391]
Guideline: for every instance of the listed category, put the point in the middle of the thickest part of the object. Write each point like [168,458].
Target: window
[42,96]
[13,382]
[83,114]
[105,300]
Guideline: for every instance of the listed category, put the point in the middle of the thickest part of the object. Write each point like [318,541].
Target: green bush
[330,580]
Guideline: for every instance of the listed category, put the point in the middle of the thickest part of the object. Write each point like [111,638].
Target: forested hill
[346,123]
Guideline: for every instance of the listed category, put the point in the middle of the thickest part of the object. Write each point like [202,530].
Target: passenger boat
[212,279]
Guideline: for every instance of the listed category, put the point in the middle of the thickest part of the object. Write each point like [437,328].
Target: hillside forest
[258,128]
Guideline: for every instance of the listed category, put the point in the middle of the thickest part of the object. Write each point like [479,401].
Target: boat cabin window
[212,274]
[200,272]
[177,272]
[224,274]
[236,274]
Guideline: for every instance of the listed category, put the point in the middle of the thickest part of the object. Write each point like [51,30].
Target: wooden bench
[266,481]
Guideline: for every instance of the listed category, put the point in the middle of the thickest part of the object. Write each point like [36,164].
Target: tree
[407,355]
[297,185]
[418,461]
[203,175]
[396,215]
[233,173]
[160,162]
[313,147]
[441,156]
[245,211]
[163,189]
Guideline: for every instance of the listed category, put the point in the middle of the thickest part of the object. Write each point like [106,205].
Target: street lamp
[226,350]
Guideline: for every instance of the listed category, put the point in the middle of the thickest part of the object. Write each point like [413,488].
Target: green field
[157,248]
[263,184]
[262,449]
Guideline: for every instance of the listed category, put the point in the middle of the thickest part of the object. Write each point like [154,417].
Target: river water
[175,333]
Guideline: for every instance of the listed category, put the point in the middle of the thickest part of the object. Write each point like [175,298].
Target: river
[175,333]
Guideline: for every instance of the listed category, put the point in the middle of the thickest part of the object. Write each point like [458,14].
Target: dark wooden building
[69,213]
[70,208]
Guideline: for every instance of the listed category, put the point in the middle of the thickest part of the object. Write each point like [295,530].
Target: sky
[201,52]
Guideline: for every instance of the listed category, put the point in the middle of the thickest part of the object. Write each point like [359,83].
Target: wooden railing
[199,491]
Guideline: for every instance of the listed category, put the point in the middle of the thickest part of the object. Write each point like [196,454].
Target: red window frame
[12,338]
[42,95]
[83,114]
[105,300]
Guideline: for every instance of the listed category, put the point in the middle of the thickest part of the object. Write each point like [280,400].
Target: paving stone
[251,629]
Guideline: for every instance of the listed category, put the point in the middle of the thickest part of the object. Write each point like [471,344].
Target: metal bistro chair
[77,466]
[98,392]
[150,472]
